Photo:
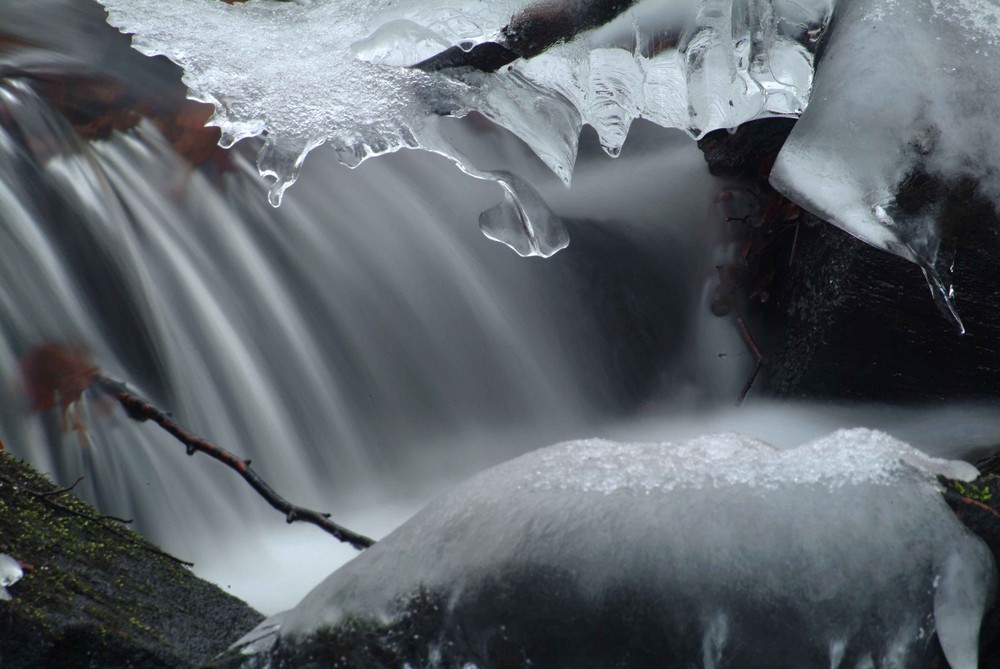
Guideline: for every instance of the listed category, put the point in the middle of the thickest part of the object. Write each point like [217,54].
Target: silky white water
[364,344]
[358,344]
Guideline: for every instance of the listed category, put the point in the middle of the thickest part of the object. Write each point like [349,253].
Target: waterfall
[360,343]
[364,344]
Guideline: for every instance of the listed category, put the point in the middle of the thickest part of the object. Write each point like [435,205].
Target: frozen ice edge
[846,457]
[745,60]
[10,573]
[549,120]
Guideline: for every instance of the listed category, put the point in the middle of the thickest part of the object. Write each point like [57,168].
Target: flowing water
[364,344]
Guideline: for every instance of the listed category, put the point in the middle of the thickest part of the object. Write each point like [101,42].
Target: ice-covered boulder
[715,552]
[903,110]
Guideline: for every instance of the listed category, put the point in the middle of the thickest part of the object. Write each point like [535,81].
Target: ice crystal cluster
[889,92]
[305,73]
[840,553]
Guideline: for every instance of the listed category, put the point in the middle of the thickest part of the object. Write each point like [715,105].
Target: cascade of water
[364,344]
[338,341]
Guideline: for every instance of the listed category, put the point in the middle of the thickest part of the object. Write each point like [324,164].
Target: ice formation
[904,107]
[904,91]
[325,71]
[718,551]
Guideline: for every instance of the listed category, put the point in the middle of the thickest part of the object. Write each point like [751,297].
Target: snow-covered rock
[718,551]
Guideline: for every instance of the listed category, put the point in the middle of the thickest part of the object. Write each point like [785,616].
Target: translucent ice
[697,66]
[904,95]
[595,553]
[285,69]
[290,71]
[326,71]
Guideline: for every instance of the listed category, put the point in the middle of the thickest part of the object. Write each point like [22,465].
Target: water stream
[357,343]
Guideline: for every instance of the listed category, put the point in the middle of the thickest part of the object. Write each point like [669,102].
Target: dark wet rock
[95,595]
[838,319]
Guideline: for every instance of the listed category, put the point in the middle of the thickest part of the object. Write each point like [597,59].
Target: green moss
[64,550]
[979,491]
[98,582]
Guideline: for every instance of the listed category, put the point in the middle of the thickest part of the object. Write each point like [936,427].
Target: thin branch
[956,499]
[117,519]
[140,410]
[43,497]
[758,357]
[60,491]
[528,34]
[979,505]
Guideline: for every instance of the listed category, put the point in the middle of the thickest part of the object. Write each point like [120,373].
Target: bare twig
[529,33]
[758,357]
[43,497]
[980,506]
[960,503]
[117,519]
[140,410]
[60,491]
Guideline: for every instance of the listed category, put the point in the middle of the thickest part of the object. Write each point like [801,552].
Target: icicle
[523,221]
[944,296]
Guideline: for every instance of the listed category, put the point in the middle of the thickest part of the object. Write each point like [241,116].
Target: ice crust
[326,71]
[288,71]
[904,92]
[841,550]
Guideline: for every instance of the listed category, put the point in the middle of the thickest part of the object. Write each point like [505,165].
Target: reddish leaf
[56,375]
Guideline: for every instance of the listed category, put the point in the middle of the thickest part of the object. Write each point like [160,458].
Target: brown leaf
[56,375]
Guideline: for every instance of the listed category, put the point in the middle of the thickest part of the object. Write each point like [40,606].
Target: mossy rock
[97,595]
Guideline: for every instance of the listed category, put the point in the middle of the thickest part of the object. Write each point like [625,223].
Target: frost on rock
[718,551]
